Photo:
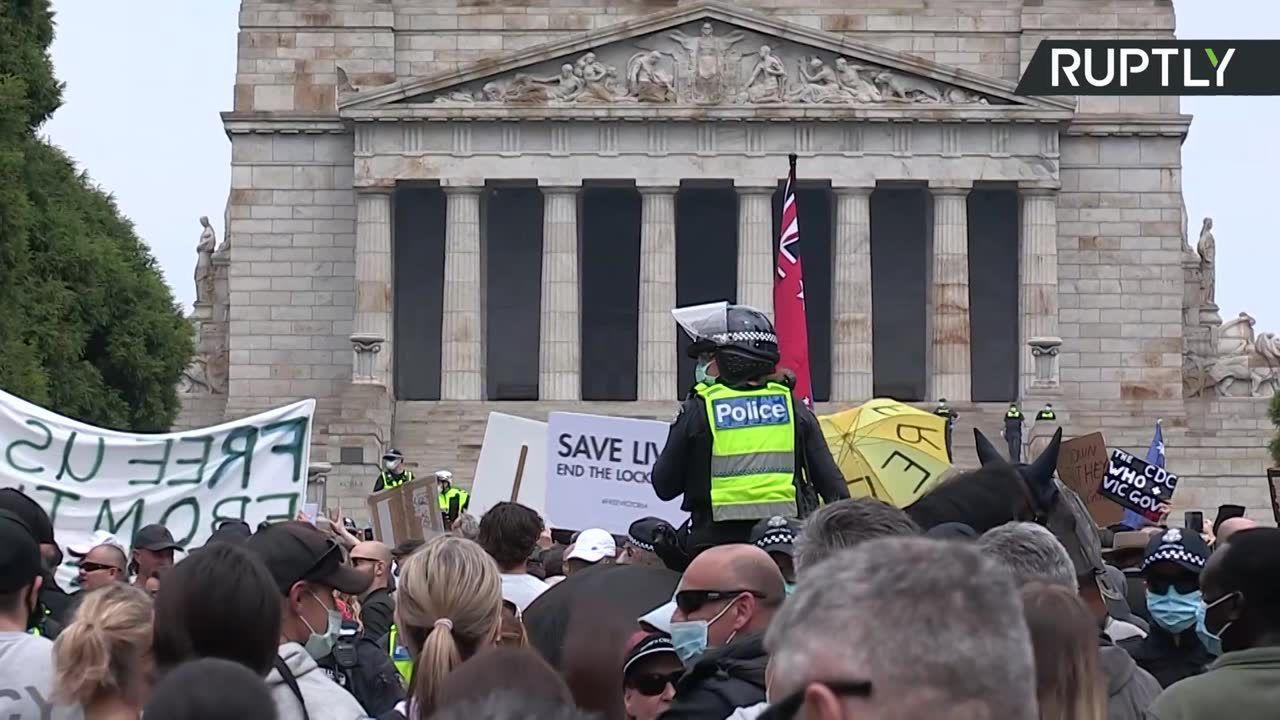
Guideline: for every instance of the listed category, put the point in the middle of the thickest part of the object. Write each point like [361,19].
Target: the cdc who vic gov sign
[1146,67]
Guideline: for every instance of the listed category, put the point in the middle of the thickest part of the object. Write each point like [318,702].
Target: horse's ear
[1043,467]
[987,452]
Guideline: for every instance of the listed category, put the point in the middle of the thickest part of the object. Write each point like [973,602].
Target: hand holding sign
[1138,485]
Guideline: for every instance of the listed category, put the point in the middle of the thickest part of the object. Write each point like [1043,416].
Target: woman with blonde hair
[448,608]
[1064,636]
[102,660]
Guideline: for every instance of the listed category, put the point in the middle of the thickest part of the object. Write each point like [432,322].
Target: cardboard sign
[406,512]
[90,479]
[1082,464]
[1139,485]
[512,465]
[598,472]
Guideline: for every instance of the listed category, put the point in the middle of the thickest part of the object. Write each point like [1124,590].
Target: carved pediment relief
[708,54]
[708,63]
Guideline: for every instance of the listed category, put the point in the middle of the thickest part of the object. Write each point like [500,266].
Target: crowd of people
[994,596]
[860,611]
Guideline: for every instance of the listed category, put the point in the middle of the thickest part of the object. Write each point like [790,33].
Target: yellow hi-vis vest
[390,481]
[399,655]
[753,451]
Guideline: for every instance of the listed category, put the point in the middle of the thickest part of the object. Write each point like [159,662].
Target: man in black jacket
[724,603]
[746,357]
[377,607]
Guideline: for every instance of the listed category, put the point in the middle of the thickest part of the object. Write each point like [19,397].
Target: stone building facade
[444,208]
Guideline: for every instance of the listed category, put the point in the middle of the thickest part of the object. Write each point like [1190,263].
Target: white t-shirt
[26,679]
[521,589]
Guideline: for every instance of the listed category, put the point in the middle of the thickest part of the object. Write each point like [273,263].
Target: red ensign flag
[788,295]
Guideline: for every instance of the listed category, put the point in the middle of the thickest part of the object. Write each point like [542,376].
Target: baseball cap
[660,617]
[29,512]
[99,537]
[19,553]
[231,531]
[295,551]
[1184,548]
[593,546]
[645,644]
[776,534]
[155,538]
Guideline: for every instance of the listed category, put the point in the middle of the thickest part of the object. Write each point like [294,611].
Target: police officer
[358,664]
[1047,413]
[944,411]
[453,501]
[1013,432]
[393,473]
[741,447]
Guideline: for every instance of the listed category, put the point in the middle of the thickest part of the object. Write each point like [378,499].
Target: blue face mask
[690,637]
[790,588]
[1211,642]
[1174,611]
[700,372]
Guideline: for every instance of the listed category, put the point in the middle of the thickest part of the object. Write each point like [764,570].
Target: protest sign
[507,441]
[90,478]
[1082,464]
[598,472]
[1138,485]
[406,512]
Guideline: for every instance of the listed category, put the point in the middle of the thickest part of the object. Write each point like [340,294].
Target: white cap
[660,617]
[593,546]
[100,537]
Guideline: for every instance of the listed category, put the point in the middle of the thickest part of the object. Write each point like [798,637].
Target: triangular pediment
[708,54]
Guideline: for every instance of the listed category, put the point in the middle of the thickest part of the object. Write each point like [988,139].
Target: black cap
[155,538]
[231,531]
[295,551]
[1183,547]
[30,513]
[776,534]
[19,553]
[643,533]
[644,644]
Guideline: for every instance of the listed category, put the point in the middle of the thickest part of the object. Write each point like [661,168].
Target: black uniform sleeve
[377,684]
[669,469]
[823,473]
[377,486]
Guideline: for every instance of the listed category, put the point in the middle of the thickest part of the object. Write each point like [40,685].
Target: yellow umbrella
[888,450]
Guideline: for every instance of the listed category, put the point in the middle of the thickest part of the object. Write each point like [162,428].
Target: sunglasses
[651,684]
[1161,585]
[691,601]
[789,706]
[95,567]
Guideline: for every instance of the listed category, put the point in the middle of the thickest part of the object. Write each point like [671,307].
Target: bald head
[374,558]
[748,579]
[1232,526]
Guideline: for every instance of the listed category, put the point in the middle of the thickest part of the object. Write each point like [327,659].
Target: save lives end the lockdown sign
[90,478]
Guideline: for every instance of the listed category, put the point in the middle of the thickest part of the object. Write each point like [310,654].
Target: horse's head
[1038,475]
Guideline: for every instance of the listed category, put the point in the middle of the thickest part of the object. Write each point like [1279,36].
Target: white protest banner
[90,478]
[598,472]
[513,447]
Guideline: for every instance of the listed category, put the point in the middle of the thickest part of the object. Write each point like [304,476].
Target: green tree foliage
[88,327]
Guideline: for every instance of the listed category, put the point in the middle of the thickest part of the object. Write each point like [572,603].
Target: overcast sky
[144,89]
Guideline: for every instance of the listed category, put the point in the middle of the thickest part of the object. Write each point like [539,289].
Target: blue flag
[1155,456]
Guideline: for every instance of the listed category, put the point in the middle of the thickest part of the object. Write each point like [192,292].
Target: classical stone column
[756,262]
[560,350]
[657,363]
[950,346]
[462,341]
[371,351]
[1039,273]
[851,378]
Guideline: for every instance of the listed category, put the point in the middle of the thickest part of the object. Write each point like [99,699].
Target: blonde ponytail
[449,606]
[97,654]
